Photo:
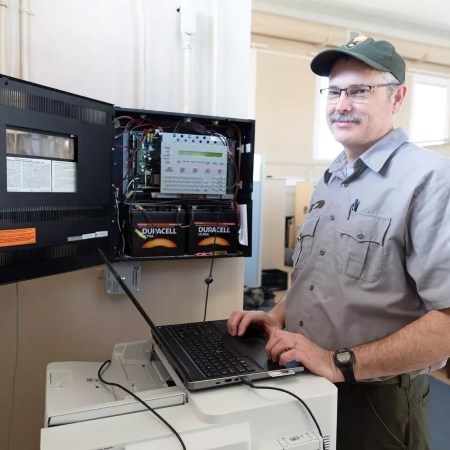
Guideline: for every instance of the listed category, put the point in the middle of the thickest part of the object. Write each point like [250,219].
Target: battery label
[208,228]
[150,230]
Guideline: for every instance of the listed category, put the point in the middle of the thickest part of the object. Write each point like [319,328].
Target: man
[369,305]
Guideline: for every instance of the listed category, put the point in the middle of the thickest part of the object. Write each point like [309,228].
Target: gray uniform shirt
[373,253]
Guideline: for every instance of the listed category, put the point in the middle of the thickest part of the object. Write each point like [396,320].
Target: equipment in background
[258,298]
[274,279]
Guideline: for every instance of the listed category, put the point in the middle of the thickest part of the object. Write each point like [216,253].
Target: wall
[129,54]
[273,225]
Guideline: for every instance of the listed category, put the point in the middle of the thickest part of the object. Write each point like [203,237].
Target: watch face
[343,357]
[344,360]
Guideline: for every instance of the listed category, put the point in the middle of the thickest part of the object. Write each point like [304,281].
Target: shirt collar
[336,168]
[374,158]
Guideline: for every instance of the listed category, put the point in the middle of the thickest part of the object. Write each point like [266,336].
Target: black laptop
[204,355]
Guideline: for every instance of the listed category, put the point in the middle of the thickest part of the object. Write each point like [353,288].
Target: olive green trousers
[377,416]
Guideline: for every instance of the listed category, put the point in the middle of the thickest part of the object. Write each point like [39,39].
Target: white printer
[82,413]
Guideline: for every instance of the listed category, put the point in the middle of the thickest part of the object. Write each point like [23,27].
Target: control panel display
[193,164]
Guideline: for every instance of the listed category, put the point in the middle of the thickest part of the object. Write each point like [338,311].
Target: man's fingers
[238,322]
[234,322]
[244,323]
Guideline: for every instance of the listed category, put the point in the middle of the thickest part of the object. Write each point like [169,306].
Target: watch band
[344,359]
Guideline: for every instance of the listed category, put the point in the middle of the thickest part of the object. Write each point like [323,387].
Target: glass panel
[33,143]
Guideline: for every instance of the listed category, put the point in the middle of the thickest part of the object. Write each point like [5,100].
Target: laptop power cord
[247,382]
[104,366]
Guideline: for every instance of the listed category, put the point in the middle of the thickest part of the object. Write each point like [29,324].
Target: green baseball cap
[380,55]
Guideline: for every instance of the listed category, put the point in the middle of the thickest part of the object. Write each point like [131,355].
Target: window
[430,109]
[325,147]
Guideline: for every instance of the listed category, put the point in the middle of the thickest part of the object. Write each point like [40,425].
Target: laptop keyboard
[204,344]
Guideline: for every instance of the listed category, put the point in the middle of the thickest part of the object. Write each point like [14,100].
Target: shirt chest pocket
[305,237]
[360,247]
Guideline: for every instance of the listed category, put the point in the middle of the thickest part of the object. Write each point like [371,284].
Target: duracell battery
[212,230]
[155,230]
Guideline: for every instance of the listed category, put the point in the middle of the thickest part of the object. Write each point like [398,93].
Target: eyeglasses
[357,92]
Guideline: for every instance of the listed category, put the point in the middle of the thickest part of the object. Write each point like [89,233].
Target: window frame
[434,80]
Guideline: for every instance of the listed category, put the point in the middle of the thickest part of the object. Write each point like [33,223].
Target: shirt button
[345,184]
[360,235]
[322,252]
[301,323]
[311,287]
[332,217]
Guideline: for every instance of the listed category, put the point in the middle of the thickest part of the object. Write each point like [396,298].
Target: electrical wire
[247,382]
[209,279]
[145,212]
[121,246]
[237,164]
[109,383]
[178,221]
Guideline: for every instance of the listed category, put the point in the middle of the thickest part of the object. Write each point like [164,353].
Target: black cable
[140,401]
[246,381]
[209,279]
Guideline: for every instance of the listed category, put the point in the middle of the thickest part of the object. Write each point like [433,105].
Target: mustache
[338,117]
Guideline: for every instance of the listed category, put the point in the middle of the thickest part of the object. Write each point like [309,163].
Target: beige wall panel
[8,345]
[273,223]
[284,115]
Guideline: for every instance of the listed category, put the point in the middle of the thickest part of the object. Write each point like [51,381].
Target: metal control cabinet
[80,175]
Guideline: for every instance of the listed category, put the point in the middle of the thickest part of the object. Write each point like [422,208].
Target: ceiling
[426,21]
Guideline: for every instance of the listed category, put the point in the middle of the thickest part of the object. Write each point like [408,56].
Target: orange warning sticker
[21,236]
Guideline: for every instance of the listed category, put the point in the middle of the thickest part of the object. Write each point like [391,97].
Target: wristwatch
[344,359]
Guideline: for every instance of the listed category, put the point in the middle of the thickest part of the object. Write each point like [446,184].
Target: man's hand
[240,320]
[284,346]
